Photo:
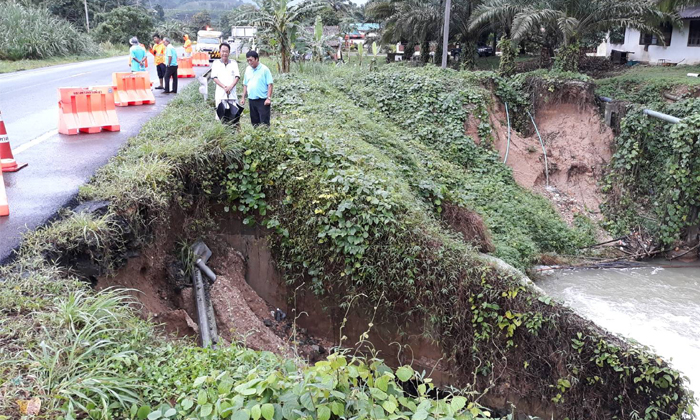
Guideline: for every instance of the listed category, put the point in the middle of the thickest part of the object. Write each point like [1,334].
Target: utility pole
[446,33]
[87,18]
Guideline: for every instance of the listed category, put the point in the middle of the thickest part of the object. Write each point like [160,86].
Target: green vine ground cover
[351,187]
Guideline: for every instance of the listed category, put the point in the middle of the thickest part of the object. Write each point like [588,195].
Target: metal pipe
[213,331]
[546,165]
[663,117]
[206,270]
[605,99]
[672,97]
[200,300]
[505,159]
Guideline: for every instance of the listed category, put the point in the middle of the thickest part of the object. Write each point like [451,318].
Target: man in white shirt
[225,74]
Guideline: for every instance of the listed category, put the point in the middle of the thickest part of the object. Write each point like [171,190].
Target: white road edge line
[42,138]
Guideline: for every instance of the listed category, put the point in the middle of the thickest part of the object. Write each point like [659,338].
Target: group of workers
[257,79]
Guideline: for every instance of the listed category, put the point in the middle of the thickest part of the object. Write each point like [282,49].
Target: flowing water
[657,304]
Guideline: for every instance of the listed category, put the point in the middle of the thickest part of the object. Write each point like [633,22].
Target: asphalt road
[59,164]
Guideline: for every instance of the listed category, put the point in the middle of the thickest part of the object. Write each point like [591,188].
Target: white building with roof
[678,45]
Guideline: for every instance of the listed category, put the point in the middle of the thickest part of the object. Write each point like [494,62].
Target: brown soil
[470,225]
[241,315]
[578,149]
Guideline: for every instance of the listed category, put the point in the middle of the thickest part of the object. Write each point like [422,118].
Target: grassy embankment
[105,51]
[646,84]
[353,181]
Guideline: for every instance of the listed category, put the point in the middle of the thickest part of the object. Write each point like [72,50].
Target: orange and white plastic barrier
[184,67]
[86,110]
[132,88]
[200,59]
[7,160]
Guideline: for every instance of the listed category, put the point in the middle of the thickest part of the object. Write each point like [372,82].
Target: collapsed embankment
[566,125]
[356,190]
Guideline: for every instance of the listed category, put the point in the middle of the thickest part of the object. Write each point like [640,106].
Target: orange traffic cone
[7,161]
[4,205]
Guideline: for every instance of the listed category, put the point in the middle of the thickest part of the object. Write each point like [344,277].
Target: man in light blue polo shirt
[170,66]
[257,85]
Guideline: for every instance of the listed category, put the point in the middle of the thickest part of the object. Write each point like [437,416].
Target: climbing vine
[655,177]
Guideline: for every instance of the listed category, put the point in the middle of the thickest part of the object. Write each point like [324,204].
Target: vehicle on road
[484,50]
[208,42]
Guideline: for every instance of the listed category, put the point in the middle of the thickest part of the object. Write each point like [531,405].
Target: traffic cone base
[7,160]
[11,165]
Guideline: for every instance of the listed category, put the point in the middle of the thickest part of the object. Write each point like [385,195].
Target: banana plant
[360,52]
[375,51]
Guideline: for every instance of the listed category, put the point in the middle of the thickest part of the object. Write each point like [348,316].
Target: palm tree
[573,20]
[415,21]
[278,22]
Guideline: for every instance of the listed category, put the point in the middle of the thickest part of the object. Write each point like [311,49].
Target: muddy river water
[656,304]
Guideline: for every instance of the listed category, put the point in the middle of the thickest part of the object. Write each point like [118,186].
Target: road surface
[59,164]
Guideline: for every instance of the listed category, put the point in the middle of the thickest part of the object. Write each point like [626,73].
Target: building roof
[690,12]
[364,27]
[327,30]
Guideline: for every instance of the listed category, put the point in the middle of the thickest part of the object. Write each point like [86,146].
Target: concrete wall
[674,53]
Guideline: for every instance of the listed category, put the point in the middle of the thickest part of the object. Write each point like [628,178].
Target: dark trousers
[259,112]
[160,68]
[171,71]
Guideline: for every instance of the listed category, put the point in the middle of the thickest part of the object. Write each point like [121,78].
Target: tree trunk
[506,67]
[284,58]
[568,58]
[425,50]
[408,51]
[469,54]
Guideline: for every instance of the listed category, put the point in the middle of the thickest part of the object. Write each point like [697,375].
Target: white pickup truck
[209,41]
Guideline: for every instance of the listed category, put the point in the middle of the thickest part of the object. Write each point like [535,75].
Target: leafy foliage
[654,181]
[120,24]
[279,24]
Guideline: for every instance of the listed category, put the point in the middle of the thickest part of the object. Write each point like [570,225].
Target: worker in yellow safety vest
[188,46]
[158,51]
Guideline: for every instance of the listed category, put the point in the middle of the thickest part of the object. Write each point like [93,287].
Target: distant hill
[182,10]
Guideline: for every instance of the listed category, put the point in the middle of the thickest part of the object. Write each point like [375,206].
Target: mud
[578,146]
[241,315]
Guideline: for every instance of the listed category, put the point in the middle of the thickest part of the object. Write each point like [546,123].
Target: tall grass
[32,32]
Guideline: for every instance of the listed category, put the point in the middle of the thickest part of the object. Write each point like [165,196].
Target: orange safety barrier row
[86,110]
[132,88]
[184,67]
[200,59]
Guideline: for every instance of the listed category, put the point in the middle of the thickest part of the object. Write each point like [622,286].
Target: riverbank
[352,200]
[656,303]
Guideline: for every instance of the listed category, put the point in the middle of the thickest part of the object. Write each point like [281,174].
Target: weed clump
[31,32]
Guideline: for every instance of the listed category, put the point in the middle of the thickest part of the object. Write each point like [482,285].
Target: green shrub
[120,24]
[31,32]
